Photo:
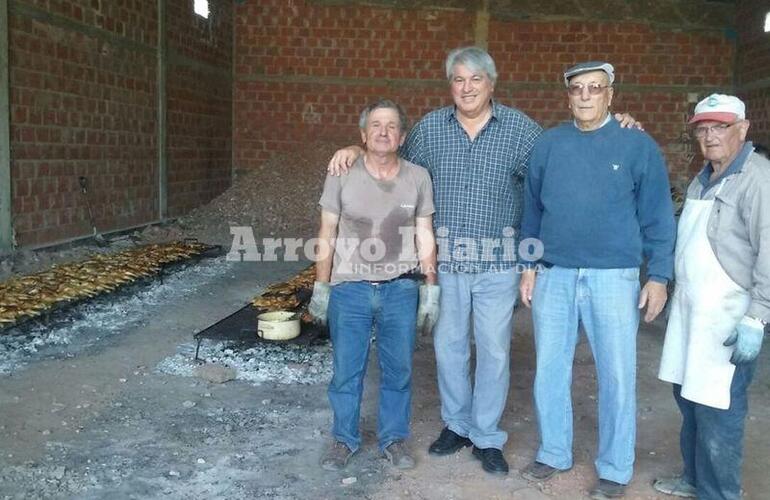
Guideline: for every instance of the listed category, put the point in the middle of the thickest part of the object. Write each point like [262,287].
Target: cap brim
[570,74]
[722,116]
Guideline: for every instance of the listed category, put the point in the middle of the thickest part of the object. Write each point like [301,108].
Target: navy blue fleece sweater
[600,199]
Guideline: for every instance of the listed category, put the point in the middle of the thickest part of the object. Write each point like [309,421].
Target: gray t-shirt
[375,235]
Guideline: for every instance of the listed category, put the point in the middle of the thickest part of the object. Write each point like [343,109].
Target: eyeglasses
[717,130]
[593,88]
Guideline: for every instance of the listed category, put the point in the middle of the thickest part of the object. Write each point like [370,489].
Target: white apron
[706,307]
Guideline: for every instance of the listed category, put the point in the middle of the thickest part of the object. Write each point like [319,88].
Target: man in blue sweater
[597,197]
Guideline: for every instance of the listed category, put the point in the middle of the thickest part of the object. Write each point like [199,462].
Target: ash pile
[277,362]
[278,199]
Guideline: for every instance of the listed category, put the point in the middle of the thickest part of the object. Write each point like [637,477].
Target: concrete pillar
[6,227]
[162,109]
[481,27]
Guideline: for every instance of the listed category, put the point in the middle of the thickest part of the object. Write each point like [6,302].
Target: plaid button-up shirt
[477,185]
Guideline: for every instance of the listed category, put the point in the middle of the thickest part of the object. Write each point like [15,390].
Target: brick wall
[199,96]
[81,105]
[753,66]
[304,68]
[303,71]
[83,97]
[655,71]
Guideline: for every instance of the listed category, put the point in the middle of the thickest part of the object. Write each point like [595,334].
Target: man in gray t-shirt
[375,233]
[376,237]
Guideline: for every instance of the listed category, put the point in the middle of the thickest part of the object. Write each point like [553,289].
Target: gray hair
[474,58]
[403,121]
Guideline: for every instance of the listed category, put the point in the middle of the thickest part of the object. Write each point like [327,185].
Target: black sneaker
[492,460]
[448,442]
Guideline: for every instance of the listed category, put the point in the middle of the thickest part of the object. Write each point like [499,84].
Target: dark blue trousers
[711,440]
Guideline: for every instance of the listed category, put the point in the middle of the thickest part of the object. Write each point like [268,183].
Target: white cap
[719,108]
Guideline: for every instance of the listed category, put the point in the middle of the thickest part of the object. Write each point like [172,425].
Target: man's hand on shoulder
[628,121]
[343,159]
[654,296]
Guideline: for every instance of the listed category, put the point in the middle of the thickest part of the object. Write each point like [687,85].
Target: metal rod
[76,239]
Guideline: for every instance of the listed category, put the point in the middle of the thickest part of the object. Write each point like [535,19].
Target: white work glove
[747,338]
[319,303]
[427,311]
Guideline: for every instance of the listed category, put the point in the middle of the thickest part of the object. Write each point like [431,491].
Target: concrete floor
[102,423]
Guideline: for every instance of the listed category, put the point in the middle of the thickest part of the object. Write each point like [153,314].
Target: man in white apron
[721,302]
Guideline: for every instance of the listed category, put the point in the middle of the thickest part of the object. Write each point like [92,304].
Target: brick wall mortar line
[388,4]
[755,85]
[422,82]
[503,86]
[176,58]
[654,26]
[507,11]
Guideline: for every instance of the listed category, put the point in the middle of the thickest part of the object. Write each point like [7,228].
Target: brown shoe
[336,456]
[399,455]
[539,472]
[607,489]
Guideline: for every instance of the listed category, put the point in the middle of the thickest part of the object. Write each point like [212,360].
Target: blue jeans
[475,411]
[711,440]
[354,308]
[605,302]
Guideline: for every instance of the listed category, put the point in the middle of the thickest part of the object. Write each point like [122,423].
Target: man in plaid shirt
[476,152]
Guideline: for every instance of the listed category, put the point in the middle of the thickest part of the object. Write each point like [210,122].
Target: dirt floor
[90,413]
